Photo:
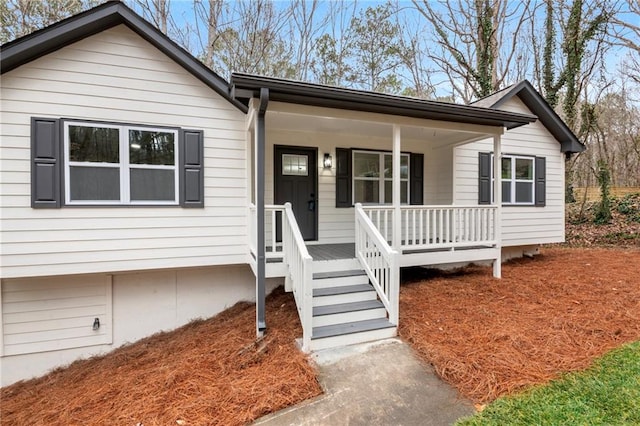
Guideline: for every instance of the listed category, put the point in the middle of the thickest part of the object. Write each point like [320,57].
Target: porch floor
[332,251]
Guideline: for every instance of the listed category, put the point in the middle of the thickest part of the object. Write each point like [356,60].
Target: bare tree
[156,11]
[332,49]
[306,25]
[626,33]
[251,40]
[477,40]
[208,15]
[21,17]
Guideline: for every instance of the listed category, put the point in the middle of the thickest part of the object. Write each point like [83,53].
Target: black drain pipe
[261,323]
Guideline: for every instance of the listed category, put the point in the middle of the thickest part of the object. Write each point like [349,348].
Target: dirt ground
[551,314]
[208,372]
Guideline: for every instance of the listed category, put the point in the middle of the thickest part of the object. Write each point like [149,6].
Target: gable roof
[245,86]
[110,14]
[569,142]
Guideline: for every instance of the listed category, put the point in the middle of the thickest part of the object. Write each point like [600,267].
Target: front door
[296,182]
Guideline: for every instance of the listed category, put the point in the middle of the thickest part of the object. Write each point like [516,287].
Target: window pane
[152,185]
[151,147]
[404,166]
[388,166]
[295,165]
[404,192]
[524,169]
[506,168]
[366,165]
[366,191]
[506,192]
[388,192]
[94,144]
[94,183]
[524,192]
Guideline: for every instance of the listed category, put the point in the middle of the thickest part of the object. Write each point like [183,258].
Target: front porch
[348,292]
[348,187]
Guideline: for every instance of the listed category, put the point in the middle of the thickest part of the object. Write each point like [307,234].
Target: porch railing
[300,267]
[380,262]
[437,227]
[273,249]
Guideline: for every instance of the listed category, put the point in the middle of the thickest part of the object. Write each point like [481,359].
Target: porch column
[397,221]
[497,201]
[261,324]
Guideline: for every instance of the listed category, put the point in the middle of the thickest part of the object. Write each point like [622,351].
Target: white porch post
[397,219]
[497,201]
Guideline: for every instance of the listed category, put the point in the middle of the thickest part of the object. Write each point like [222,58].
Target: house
[140,190]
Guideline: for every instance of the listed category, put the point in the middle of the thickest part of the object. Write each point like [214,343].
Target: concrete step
[343,294]
[332,336]
[348,312]
[339,278]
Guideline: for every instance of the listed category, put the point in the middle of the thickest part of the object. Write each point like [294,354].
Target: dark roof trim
[245,85]
[569,142]
[39,43]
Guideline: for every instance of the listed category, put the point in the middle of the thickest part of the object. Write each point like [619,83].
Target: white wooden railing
[437,227]
[379,261]
[273,249]
[299,263]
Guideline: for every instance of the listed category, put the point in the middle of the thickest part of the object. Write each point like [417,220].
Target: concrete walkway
[380,383]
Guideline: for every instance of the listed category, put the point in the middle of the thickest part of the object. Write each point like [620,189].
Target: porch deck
[409,257]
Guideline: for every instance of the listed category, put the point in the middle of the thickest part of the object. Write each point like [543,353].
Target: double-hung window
[120,164]
[373,177]
[518,177]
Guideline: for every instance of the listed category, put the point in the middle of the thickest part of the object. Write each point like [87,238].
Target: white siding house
[136,270]
[522,225]
[139,190]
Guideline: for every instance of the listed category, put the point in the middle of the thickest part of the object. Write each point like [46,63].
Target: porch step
[348,312]
[351,333]
[339,278]
[335,265]
[343,294]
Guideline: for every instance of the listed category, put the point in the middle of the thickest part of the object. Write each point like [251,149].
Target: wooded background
[582,55]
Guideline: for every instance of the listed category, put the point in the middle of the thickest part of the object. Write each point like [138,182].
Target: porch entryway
[348,293]
[389,193]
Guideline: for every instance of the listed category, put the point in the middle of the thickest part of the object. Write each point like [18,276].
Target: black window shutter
[343,177]
[191,171]
[46,159]
[541,181]
[416,180]
[484,178]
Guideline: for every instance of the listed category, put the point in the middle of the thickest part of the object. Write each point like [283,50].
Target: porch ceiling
[277,120]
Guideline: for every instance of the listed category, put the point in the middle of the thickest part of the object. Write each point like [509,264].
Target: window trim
[124,165]
[513,180]
[381,179]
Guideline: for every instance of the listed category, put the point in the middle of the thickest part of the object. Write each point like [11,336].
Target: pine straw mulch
[547,315]
[208,372]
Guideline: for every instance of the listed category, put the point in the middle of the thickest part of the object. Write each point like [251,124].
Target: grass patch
[606,393]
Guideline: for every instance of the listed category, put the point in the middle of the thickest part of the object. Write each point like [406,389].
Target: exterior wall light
[328,161]
[96,324]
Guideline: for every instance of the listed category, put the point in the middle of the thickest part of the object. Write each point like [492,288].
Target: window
[120,164]
[517,174]
[523,180]
[295,165]
[373,177]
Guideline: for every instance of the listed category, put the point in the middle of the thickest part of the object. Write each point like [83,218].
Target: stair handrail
[299,264]
[379,261]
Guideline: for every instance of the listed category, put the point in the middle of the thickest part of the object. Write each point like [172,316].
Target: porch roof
[247,86]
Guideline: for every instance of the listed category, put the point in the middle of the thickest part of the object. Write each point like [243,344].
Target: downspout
[261,324]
